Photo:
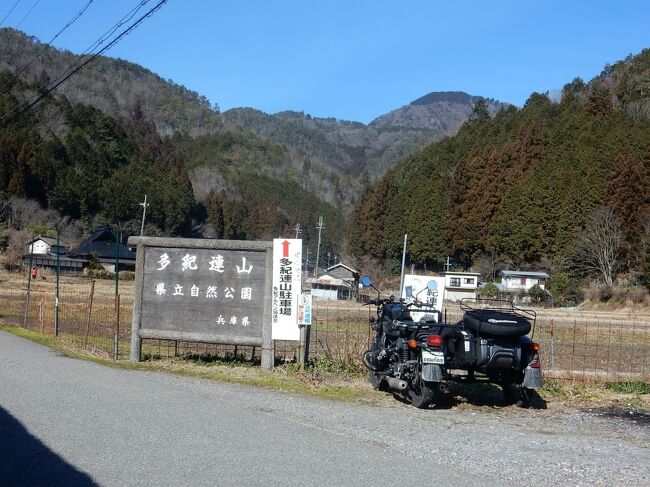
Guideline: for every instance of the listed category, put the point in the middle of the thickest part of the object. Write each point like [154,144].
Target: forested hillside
[524,187]
[93,168]
[352,147]
[271,170]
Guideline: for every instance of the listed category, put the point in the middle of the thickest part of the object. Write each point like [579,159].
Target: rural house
[338,282]
[513,281]
[102,246]
[45,245]
[460,285]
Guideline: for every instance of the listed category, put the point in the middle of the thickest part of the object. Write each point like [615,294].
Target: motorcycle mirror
[432,285]
[366,281]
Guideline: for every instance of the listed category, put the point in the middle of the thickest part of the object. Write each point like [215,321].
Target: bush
[605,294]
[566,290]
[537,294]
[490,290]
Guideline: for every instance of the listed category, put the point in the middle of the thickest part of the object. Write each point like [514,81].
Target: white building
[522,281]
[460,285]
[45,245]
[329,287]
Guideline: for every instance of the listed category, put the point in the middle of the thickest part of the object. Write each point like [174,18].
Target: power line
[9,13]
[27,14]
[60,81]
[46,46]
[126,18]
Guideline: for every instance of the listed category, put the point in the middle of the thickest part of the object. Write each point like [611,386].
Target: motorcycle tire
[421,394]
[517,395]
[375,378]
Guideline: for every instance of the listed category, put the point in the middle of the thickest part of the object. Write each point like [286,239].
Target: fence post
[116,336]
[90,310]
[29,285]
[552,346]
[306,344]
[41,314]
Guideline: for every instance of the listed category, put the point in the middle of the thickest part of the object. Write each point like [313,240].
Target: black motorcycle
[419,358]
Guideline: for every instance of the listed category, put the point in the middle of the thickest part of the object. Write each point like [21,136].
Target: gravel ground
[510,445]
[123,427]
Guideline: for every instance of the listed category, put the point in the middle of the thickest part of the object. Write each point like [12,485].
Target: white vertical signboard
[287,282]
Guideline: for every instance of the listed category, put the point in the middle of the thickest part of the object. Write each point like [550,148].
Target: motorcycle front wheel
[375,378]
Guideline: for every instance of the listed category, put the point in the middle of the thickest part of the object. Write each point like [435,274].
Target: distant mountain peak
[446,96]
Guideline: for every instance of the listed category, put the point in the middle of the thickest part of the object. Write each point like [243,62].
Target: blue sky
[352,59]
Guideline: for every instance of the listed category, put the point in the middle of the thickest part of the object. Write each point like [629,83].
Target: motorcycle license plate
[433,357]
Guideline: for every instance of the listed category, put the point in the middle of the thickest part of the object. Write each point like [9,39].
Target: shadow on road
[26,461]
[476,394]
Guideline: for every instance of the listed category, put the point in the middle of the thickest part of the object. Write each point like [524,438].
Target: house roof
[102,243]
[341,264]
[328,280]
[523,274]
[48,240]
[452,273]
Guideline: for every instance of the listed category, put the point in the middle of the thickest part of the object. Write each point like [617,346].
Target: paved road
[75,423]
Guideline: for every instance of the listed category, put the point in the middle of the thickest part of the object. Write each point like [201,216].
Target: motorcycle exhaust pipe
[396,384]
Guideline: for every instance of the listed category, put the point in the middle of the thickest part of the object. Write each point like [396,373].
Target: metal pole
[320,226]
[58,271]
[401,281]
[90,312]
[29,285]
[116,337]
[117,260]
[144,212]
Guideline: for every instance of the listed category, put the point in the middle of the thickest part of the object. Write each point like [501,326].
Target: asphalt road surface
[74,423]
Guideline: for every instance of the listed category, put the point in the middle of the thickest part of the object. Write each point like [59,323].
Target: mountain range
[325,156]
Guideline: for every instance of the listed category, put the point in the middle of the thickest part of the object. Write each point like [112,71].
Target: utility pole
[401,282]
[58,271]
[319,227]
[297,229]
[328,260]
[144,205]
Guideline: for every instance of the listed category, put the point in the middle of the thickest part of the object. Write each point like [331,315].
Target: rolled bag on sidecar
[490,339]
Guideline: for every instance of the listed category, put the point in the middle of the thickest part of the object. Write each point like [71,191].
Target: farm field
[577,344]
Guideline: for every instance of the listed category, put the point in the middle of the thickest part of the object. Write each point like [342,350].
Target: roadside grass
[630,393]
[334,379]
[284,377]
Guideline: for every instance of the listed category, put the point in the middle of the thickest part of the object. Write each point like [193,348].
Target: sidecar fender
[533,378]
[431,373]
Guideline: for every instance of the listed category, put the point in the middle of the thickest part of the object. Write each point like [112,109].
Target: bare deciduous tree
[600,244]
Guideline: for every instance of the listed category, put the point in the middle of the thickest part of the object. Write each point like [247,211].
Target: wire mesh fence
[95,315]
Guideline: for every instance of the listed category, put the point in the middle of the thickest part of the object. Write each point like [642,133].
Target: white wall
[515,283]
[39,247]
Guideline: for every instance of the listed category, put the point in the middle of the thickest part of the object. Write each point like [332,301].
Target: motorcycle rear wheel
[518,395]
[420,394]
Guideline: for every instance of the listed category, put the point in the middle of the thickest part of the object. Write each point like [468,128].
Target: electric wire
[27,14]
[45,87]
[60,81]
[9,13]
[46,46]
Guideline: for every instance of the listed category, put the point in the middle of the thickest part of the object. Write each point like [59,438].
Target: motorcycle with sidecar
[419,358]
